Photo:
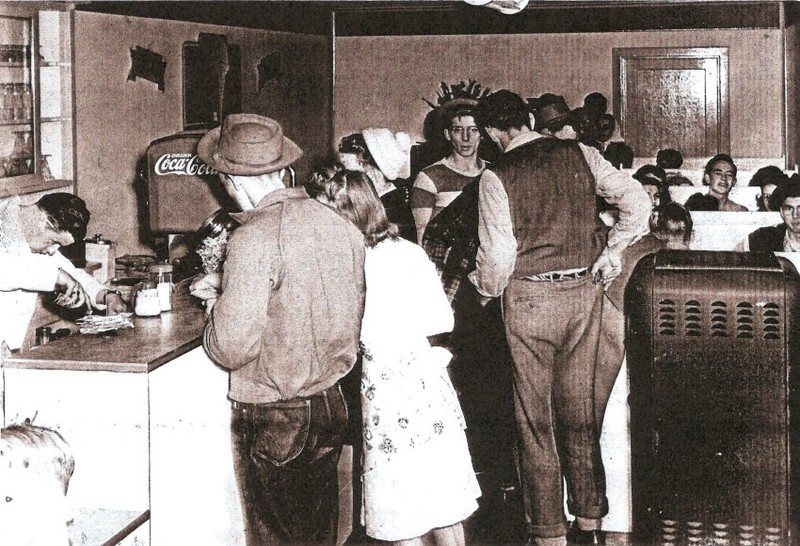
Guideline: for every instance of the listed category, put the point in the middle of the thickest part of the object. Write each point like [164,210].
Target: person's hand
[70,292]
[206,288]
[607,267]
[113,302]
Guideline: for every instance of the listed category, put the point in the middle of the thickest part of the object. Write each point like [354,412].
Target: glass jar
[146,301]
[161,276]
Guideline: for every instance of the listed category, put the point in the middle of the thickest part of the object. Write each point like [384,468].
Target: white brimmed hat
[248,145]
[391,151]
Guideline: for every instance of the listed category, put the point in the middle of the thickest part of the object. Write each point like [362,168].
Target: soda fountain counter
[147,416]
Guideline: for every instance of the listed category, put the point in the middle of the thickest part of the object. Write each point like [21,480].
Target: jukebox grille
[762,319]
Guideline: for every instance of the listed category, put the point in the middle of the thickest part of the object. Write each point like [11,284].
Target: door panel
[672,98]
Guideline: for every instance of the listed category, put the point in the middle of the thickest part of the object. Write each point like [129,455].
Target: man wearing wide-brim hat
[286,325]
[551,114]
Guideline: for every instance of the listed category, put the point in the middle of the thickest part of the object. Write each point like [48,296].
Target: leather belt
[322,395]
[559,276]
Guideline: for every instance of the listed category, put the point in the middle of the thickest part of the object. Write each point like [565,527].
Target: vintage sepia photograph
[399,272]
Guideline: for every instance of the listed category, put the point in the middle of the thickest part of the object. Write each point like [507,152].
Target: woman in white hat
[384,156]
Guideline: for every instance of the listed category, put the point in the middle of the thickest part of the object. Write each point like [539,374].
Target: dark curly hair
[66,212]
[504,110]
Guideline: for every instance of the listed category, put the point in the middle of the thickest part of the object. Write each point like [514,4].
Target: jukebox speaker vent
[744,320]
[771,319]
[692,315]
[666,318]
[697,532]
[719,319]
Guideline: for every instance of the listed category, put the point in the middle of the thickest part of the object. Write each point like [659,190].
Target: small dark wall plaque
[202,71]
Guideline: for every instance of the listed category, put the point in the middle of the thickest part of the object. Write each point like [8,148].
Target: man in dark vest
[784,237]
[543,246]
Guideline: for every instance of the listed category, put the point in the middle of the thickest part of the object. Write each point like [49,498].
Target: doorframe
[623,55]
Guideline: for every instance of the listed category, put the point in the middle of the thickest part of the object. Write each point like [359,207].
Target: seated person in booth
[701,202]
[30,236]
[670,228]
[671,160]
[286,324]
[767,178]
[36,465]
[654,182]
[785,237]
[720,177]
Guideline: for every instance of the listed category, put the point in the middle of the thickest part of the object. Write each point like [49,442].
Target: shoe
[576,535]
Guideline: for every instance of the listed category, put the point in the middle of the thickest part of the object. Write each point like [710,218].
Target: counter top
[152,341]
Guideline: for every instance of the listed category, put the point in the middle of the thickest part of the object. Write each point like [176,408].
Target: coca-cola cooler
[712,349]
[182,190]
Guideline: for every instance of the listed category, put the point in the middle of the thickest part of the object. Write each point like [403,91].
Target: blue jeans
[286,455]
[553,330]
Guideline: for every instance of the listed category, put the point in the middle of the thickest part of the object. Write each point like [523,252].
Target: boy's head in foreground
[36,465]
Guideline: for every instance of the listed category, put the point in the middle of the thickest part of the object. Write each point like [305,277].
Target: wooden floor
[499,521]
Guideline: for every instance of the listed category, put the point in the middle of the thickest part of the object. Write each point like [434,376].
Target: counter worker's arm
[422,201]
[628,195]
[497,252]
[40,273]
[97,293]
[235,326]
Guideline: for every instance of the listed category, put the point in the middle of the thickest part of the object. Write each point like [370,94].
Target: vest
[551,193]
[767,239]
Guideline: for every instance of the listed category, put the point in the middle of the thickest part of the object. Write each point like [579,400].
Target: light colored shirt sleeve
[30,272]
[624,192]
[235,326]
[497,251]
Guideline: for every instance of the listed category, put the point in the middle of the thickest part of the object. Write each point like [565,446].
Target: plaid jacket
[451,239]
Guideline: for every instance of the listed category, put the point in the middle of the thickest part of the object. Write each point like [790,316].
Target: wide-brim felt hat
[247,145]
[549,109]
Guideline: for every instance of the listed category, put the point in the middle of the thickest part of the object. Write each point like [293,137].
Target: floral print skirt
[418,473]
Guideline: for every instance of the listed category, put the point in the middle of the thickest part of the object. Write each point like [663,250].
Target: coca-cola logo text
[182,164]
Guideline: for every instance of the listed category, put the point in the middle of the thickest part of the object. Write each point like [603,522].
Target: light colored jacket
[287,322]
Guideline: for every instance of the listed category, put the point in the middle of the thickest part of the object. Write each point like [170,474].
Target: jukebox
[712,346]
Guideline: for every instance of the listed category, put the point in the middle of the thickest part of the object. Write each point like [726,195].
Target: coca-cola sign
[182,165]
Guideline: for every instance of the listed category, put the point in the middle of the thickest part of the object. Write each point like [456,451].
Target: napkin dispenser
[101,258]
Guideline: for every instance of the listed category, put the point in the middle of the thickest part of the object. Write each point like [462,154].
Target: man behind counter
[30,236]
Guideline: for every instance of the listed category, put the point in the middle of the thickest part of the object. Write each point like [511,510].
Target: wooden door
[672,98]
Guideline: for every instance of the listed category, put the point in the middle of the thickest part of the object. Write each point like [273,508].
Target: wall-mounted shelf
[31,183]
[20,123]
